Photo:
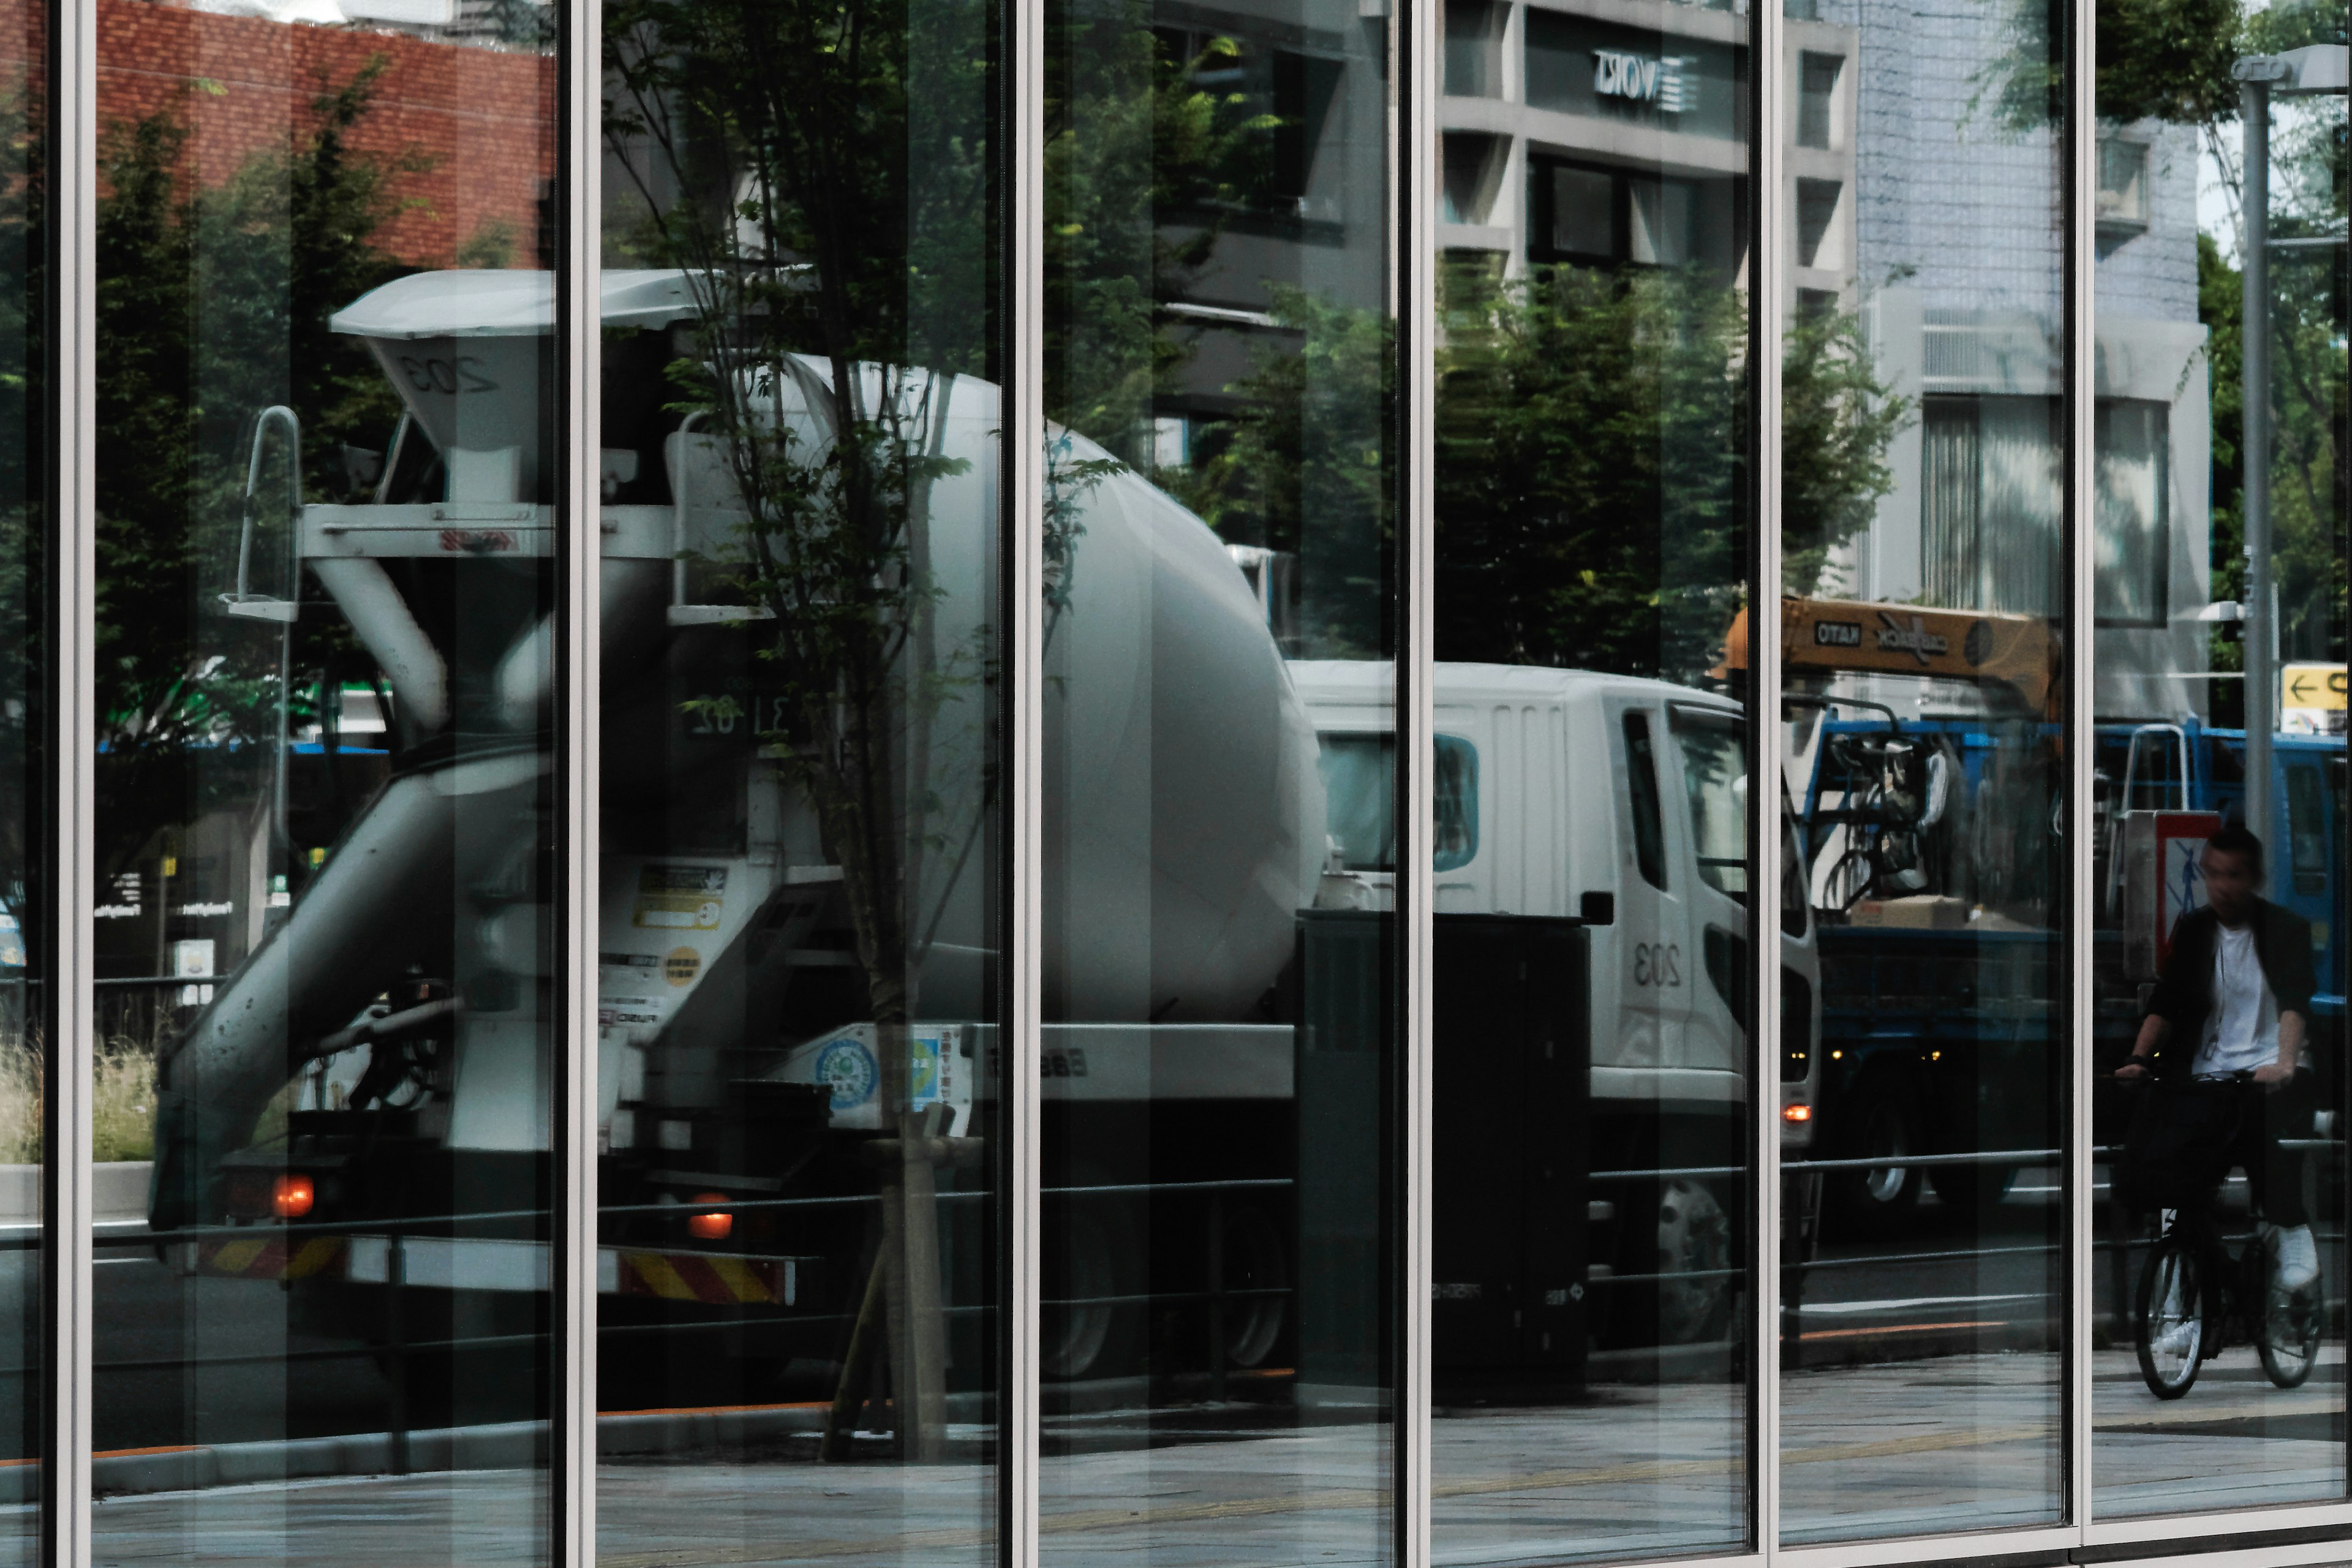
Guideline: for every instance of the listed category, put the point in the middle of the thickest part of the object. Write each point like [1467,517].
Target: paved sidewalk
[1953,1444]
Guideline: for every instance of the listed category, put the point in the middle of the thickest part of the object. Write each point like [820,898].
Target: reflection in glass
[1592,1081]
[326,475]
[28,835]
[1921,619]
[1220,837]
[796,953]
[2218,1382]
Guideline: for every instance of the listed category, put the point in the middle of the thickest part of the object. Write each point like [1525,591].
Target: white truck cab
[1526,758]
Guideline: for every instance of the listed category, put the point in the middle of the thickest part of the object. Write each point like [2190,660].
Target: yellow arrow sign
[2312,686]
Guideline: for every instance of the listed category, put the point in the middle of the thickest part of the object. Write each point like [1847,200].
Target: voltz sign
[1659,81]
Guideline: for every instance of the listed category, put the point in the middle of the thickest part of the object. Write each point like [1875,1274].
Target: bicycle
[2196,1300]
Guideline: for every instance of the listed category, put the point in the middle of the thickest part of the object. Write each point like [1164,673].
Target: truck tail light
[711,1227]
[261,1195]
[1796,1114]
[294,1196]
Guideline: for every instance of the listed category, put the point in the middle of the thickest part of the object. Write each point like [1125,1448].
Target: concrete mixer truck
[378,1067]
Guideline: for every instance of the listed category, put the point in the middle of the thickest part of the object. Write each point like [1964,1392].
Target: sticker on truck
[680,898]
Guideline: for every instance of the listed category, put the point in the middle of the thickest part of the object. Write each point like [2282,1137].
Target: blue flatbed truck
[1937,1037]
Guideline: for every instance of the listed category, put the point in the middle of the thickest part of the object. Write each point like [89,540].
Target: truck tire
[1878,1203]
[1697,1290]
[1256,1260]
[1090,1253]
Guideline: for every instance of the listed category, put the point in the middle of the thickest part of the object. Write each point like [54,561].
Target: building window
[1817,100]
[2133,557]
[1581,209]
[1817,206]
[1665,215]
[2122,185]
[1474,175]
[1474,48]
[1609,216]
[1990,503]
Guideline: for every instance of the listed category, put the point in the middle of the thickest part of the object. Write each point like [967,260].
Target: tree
[1592,464]
[815,174]
[213,303]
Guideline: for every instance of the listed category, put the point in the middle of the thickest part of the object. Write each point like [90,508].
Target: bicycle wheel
[2171,1318]
[2286,1335]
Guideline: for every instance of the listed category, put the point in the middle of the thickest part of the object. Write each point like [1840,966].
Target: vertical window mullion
[1773,192]
[1420,25]
[579,294]
[1022,659]
[65,973]
[2081,197]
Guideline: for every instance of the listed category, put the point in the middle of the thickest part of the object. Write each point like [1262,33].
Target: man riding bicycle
[2237,987]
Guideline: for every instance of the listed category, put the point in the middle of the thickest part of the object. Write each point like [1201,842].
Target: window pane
[1220,835]
[797,957]
[326,470]
[1474,47]
[2220,707]
[1591,1230]
[1922,1365]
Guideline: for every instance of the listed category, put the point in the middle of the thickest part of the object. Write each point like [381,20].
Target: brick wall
[478,123]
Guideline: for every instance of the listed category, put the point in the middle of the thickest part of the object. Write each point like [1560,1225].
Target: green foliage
[1837,420]
[1593,465]
[2160,60]
[23,523]
[213,304]
[1304,465]
[1144,167]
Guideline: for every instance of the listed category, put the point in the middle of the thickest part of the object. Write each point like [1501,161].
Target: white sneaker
[2295,1257]
[2175,1342]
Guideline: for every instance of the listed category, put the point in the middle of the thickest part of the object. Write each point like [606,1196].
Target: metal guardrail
[398,1350]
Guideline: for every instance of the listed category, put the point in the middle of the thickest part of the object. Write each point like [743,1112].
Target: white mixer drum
[1183,816]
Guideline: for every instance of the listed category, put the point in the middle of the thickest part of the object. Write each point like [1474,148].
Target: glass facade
[1253,781]
[1923,619]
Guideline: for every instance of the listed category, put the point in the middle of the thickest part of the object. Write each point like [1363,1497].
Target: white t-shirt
[2242,1031]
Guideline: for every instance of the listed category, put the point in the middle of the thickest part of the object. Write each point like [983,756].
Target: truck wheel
[1254,1260]
[1877,1203]
[1695,1287]
[1091,1254]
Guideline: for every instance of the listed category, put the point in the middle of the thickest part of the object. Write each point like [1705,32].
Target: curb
[499,1445]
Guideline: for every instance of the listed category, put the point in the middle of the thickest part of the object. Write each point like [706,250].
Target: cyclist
[2237,986]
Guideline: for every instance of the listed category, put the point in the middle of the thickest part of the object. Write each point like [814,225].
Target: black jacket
[2184,991]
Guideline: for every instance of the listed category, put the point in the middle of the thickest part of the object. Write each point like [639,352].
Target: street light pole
[2260,624]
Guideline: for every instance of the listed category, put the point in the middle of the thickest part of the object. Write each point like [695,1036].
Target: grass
[122,1102]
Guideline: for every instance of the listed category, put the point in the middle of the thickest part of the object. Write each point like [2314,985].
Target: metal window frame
[1021,567]
[71,606]
[1770,130]
[579,552]
[64,951]
[1416,167]
[2079,638]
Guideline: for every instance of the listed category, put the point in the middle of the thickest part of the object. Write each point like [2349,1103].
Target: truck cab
[1653,888]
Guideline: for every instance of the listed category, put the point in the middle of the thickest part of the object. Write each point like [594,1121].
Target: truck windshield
[1358,771]
[1715,777]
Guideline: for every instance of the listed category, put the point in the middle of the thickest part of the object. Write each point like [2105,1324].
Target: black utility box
[1510,1154]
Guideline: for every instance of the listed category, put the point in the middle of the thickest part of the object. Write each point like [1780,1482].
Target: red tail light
[711,1227]
[294,1196]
